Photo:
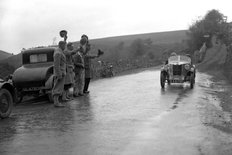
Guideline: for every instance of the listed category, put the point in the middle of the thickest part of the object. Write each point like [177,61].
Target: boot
[64,96]
[68,95]
[56,101]
[75,94]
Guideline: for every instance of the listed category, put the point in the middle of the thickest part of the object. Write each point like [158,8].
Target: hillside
[168,37]
[161,43]
[120,47]
[4,55]
[14,61]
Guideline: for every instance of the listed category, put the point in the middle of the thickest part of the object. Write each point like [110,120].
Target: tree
[151,55]
[213,23]
[116,51]
[6,69]
[140,47]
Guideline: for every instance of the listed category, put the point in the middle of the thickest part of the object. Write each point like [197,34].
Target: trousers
[58,87]
[79,81]
[87,81]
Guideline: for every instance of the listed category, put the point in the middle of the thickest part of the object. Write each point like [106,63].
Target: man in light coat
[59,73]
[69,78]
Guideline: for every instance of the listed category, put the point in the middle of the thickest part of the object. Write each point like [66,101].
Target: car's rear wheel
[19,99]
[6,103]
[162,80]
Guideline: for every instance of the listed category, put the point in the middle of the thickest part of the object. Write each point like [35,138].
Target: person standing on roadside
[69,79]
[59,73]
[79,71]
[87,61]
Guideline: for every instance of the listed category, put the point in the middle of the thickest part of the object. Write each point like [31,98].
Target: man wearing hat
[79,71]
[59,73]
[84,43]
[69,78]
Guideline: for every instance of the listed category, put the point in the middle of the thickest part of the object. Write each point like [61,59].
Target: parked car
[178,69]
[35,76]
[7,98]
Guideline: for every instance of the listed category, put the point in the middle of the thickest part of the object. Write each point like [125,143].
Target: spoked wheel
[19,96]
[19,99]
[6,103]
[162,80]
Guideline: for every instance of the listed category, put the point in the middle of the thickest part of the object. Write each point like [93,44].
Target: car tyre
[19,99]
[162,80]
[6,103]
[192,81]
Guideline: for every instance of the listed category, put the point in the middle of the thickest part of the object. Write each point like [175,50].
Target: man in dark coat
[87,61]
[79,71]
[59,73]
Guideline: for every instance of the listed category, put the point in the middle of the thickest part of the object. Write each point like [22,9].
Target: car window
[35,58]
[173,59]
[185,59]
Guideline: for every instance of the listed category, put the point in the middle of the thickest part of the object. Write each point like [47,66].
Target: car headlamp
[187,67]
[166,67]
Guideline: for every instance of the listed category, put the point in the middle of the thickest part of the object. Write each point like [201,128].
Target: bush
[213,23]
[5,69]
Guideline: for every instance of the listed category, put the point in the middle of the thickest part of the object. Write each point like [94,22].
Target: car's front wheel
[162,80]
[6,103]
[192,81]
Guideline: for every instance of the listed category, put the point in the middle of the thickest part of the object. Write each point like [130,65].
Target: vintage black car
[7,98]
[35,76]
[178,69]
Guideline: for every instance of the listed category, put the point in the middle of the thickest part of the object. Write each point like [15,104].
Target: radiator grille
[177,69]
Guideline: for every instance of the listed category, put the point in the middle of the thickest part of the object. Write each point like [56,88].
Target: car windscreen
[179,58]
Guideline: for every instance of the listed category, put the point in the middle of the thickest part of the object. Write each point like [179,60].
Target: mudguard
[32,75]
[9,87]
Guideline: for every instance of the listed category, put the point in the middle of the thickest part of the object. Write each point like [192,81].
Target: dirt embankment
[214,57]
[218,62]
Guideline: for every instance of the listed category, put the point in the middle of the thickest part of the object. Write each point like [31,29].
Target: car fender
[8,86]
[49,82]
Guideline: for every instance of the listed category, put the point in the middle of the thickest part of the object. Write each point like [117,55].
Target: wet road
[124,115]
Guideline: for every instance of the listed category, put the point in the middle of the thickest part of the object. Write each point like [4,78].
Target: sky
[31,23]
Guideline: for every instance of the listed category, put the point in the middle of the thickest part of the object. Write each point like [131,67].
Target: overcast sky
[29,23]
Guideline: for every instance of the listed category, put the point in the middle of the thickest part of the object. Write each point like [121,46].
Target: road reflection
[104,120]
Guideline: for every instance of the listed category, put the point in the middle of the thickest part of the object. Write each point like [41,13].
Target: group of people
[72,68]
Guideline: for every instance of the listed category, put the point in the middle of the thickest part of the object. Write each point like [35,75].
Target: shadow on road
[183,90]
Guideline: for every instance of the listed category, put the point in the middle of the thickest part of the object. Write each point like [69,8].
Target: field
[152,46]
[4,55]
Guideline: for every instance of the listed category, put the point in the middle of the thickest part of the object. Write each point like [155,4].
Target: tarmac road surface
[124,115]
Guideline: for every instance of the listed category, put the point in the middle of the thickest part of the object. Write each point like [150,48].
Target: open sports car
[178,69]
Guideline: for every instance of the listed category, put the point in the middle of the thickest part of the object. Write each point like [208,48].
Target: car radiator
[177,69]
